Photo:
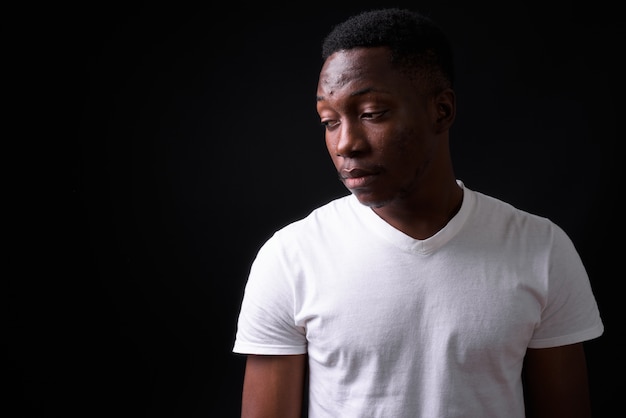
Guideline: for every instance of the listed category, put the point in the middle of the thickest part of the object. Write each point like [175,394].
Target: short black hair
[417,44]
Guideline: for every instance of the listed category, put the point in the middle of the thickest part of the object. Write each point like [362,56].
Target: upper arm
[555,382]
[273,386]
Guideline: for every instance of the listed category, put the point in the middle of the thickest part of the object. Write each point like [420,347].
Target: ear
[445,108]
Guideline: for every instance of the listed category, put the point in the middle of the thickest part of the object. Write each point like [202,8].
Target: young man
[412,296]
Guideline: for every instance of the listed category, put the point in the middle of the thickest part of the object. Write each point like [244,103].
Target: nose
[350,140]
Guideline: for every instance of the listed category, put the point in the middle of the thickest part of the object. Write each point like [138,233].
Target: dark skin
[272,386]
[388,137]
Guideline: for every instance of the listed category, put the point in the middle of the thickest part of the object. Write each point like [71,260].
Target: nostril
[350,153]
[351,145]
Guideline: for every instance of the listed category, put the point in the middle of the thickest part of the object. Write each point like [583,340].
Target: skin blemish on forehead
[331,83]
[359,92]
[339,70]
[345,69]
[319,98]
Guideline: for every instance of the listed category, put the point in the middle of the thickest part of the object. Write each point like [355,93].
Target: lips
[355,177]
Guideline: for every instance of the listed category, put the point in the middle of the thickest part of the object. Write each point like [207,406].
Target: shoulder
[496,209]
[327,213]
[323,220]
[498,218]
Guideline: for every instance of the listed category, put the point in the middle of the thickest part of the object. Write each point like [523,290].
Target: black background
[161,143]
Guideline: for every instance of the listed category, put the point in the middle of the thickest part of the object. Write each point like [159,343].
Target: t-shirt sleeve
[266,323]
[571,313]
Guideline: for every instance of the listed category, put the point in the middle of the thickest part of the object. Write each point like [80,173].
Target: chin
[373,202]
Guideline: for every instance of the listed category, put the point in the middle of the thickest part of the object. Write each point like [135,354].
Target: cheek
[331,148]
[410,151]
[404,146]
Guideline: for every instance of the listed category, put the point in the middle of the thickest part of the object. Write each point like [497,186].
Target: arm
[555,382]
[273,386]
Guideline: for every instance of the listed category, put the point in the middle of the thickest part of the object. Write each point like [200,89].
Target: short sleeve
[266,323]
[571,313]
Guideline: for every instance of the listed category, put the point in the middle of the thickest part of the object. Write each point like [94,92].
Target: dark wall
[185,134]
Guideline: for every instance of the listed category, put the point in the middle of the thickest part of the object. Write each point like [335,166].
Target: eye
[373,115]
[328,124]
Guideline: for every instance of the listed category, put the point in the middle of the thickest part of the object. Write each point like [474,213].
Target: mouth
[355,178]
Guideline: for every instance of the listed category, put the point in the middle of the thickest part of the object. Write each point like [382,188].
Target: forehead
[358,68]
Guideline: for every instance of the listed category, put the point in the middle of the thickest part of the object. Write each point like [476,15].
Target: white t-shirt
[399,327]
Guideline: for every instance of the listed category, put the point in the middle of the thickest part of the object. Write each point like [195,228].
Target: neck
[424,215]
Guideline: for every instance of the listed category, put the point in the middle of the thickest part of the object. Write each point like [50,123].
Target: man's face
[379,126]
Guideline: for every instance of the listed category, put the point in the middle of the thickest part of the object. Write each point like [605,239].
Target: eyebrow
[359,92]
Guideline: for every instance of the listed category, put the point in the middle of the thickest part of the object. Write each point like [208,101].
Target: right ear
[445,108]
